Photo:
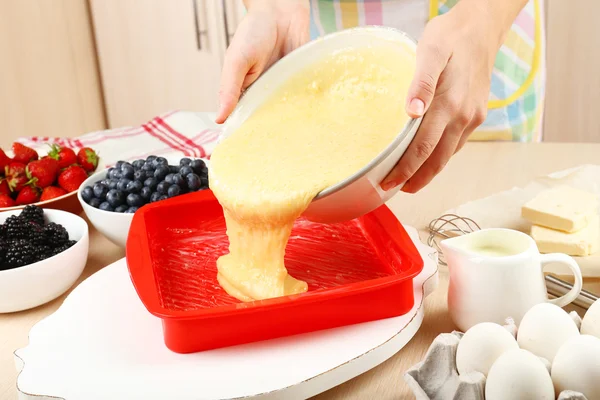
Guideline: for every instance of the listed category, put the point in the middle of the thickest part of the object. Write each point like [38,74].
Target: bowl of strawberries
[47,179]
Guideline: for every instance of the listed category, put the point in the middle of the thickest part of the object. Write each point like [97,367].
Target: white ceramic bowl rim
[393,145]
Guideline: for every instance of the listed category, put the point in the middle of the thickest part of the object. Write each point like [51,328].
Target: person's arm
[270,30]
[451,86]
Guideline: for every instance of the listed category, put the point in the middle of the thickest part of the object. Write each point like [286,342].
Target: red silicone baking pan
[357,271]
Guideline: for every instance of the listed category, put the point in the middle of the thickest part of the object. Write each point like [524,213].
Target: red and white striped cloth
[175,134]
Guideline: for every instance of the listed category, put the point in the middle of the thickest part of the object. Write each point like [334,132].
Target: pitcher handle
[572,294]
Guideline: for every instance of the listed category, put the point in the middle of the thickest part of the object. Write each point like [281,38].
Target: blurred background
[68,67]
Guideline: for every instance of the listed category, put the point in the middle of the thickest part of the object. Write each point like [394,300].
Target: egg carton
[436,377]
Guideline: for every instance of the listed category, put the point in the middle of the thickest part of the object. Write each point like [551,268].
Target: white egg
[518,375]
[577,366]
[590,325]
[481,345]
[544,328]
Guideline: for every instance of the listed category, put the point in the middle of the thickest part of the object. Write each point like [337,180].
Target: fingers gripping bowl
[359,193]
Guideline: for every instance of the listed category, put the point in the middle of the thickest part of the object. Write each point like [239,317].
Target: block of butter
[562,208]
[584,242]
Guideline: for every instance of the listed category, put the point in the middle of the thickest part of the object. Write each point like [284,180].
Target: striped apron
[516,99]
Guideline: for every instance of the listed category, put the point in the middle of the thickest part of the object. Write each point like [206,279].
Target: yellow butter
[320,127]
[581,243]
[561,208]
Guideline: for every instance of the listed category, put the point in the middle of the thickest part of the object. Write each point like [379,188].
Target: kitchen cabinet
[49,83]
[160,55]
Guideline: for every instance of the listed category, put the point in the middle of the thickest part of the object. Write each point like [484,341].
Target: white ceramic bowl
[113,225]
[38,283]
[359,193]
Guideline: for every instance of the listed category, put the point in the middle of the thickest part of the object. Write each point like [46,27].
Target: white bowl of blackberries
[111,197]
[42,253]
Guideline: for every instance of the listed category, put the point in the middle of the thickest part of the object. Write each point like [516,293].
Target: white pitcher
[498,273]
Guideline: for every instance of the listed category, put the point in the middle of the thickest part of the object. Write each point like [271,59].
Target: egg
[590,325]
[518,375]
[481,345]
[576,366]
[544,328]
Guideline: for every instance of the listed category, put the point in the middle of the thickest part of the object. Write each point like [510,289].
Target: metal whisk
[447,226]
[451,225]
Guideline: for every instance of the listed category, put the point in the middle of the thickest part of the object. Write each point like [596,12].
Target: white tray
[103,344]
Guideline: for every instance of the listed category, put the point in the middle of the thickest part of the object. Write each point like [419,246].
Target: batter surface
[320,127]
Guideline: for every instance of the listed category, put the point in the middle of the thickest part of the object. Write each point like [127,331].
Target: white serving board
[103,344]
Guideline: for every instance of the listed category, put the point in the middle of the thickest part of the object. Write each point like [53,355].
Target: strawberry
[4,160]
[28,195]
[23,154]
[6,201]
[4,188]
[42,173]
[71,178]
[64,155]
[52,192]
[88,159]
[16,176]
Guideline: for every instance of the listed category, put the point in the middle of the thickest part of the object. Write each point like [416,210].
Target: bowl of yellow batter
[337,103]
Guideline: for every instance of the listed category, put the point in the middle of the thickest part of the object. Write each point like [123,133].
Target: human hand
[451,86]
[270,30]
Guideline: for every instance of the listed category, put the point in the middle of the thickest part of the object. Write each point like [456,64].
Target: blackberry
[16,228]
[42,252]
[3,248]
[33,214]
[20,252]
[56,235]
[36,235]
[68,244]
[2,231]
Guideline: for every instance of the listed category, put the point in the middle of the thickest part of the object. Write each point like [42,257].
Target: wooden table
[479,170]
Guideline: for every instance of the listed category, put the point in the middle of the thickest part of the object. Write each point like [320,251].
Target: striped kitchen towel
[174,134]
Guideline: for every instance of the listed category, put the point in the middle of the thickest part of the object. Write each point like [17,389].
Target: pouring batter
[320,127]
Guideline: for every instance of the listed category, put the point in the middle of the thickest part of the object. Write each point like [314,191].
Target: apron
[516,100]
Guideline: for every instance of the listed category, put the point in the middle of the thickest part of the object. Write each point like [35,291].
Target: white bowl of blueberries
[111,197]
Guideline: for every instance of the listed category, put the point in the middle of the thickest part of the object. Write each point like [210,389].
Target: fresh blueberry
[122,184]
[127,171]
[184,161]
[185,171]
[100,190]
[173,191]
[161,172]
[162,197]
[121,209]
[112,184]
[87,194]
[118,164]
[148,167]
[204,181]
[137,164]
[174,169]
[169,178]
[193,181]
[149,174]
[115,197]
[125,165]
[151,183]
[105,182]
[139,175]
[134,186]
[162,161]
[162,187]
[199,167]
[117,175]
[146,193]
[135,200]
[106,207]
[149,159]
[109,172]
[131,210]
[180,181]
[95,202]
[155,197]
